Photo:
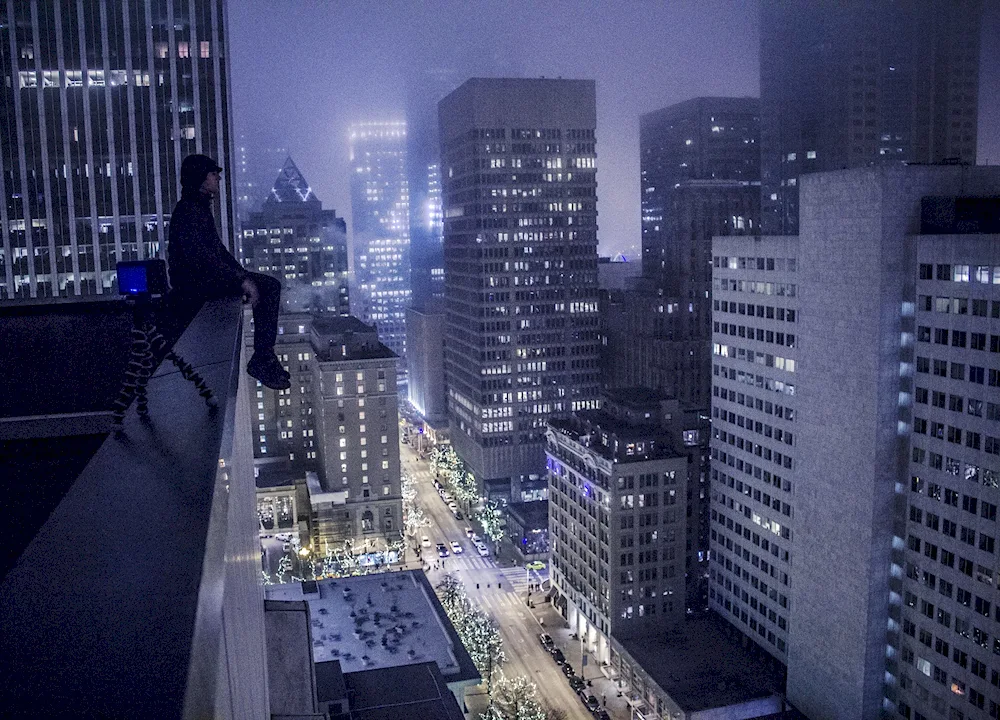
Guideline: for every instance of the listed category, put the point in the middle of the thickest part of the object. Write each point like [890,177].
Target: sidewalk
[605,690]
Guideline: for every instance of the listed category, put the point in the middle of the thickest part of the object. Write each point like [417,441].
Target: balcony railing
[140,595]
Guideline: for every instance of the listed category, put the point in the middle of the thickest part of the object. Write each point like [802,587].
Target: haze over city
[304,71]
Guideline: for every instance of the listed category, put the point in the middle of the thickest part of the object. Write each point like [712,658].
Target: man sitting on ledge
[202,269]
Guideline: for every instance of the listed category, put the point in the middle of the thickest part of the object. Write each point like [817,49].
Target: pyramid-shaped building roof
[291,187]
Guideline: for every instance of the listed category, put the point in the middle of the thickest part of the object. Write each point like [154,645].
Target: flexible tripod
[146,340]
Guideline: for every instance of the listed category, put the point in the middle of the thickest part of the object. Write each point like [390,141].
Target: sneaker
[268,371]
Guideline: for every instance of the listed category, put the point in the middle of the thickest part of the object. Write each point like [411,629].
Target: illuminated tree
[492,520]
[464,485]
[413,514]
[514,698]
[477,631]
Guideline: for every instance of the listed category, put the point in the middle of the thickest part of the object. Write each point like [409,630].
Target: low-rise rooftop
[401,693]
[379,621]
[704,665]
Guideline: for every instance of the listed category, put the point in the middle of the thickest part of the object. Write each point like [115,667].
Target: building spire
[290,186]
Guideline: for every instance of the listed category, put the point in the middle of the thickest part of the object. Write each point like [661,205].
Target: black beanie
[194,169]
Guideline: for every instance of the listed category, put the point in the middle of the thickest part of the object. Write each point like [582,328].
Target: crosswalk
[482,570]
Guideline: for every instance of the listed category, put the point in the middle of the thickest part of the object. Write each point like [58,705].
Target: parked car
[442,550]
[577,683]
[425,541]
[546,640]
[452,505]
[568,670]
[591,703]
[459,515]
[602,715]
[557,655]
[475,538]
[456,547]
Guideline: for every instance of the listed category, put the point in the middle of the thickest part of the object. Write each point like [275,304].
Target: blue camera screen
[132,279]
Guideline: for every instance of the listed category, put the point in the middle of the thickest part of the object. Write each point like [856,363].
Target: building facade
[617,522]
[705,138]
[854,84]
[104,104]
[520,236]
[295,240]
[700,172]
[283,421]
[359,494]
[380,209]
[425,381]
[830,469]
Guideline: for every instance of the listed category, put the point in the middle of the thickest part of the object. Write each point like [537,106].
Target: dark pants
[265,312]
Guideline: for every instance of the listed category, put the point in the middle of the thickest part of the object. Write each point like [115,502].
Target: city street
[500,591]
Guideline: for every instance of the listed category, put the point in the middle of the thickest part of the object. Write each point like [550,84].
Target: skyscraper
[519,191]
[700,172]
[707,139]
[425,88]
[856,83]
[380,208]
[854,495]
[294,239]
[105,102]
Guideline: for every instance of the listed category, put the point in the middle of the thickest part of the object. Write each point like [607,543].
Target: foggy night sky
[303,70]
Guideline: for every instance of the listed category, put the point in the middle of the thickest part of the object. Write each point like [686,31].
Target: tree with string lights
[514,698]
[492,520]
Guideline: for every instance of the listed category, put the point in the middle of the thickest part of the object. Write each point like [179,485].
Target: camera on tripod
[144,283]
[143,279]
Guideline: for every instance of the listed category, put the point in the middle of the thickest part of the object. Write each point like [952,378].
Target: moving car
[475,538]
[425,541]
[483,550]
[468,532]
[456,547]
[442,550]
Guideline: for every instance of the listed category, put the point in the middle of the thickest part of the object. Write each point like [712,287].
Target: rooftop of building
[401,693]
[274,473]
[614,439]
[719,104]
[337,338]
[380,621]
[529,514]
[705,664]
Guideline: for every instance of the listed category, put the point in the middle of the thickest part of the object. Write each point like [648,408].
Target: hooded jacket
[198,263]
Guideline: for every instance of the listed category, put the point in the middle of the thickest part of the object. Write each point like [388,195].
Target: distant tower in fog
[294,239]
[850,84]
[380,209]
